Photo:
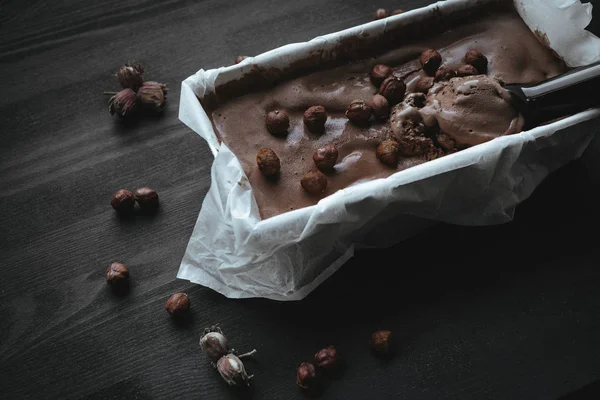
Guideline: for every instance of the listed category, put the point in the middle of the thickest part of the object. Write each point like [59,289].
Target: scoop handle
[565,94]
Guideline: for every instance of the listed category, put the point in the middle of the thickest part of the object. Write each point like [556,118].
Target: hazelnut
[123,201]
[379,73]
[277,122]
[314,119]
[476,59]
[314,181]
[326,157]
[396,12]
[444,74]
[430,61]
[381,343]
[307,377]
[117,274]
[387,152]
[393,89]
[379,106]
[381,13]
[424,84]
[178,304]
[147,198]
[239,59]
[358,112]
[466,70]
[268,162]
[327,359]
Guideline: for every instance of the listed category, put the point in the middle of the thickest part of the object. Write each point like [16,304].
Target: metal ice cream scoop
[565,94]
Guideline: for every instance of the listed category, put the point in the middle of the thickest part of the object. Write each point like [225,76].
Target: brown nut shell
[381,13]
[123,201]
[268,162]
[393,89]
[178,304]
[358,112]
[444,74]
[307,377]
[430,61]
[382,343]
[117,273]
[326,157]
[466,70]
[277,123]
[380,107]
[315,118]
[379,73]
[147,198]
[424,84]
[387,152]
[314,182]
[476,59]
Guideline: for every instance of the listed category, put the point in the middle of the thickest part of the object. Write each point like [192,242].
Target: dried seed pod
[124,103]
[130,76]
[214,343]
[153,95]
[232,370]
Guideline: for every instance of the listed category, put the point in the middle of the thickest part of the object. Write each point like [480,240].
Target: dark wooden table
[504,312]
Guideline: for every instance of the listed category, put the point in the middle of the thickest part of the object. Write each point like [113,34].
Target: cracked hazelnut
[358,112]
[393,89]
[381,343]
[178,304]
[424,84]
[326,157]
[147,198]
[307,377]
[239,59]
[466,70]
[117,273]
[379,106]
[430,61]
[387,152]
[379,73]
[123,201]
[381,13]
[476,59]
[268,162]
[315,118]
[314,181]
[277,122]
[327,359]
[444,74]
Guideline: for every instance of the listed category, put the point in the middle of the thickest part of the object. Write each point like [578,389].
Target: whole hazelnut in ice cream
[393,89]
[277,122]
[268,162]
[387,152]
[379,106]
[430,61]
[379,73]
[315,118]
[326,157]
[476,59]
[314,182]
[358,112]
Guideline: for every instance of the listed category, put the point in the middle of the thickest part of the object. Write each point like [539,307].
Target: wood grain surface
[504,312]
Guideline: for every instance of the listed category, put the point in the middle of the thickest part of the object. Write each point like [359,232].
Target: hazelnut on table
[381,13]
[123,201]
[147,198]
[327,359]
[117,273]
[277,122]
[177,304]
[381,343]
[307,377]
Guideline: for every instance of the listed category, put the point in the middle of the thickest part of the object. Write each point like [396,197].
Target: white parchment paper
[285,257]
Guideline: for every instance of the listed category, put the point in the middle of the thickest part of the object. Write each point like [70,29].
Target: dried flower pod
[476,59]
[379,73]
[358,112]
[153,95]
[381,343]
[177,304]
[147,198]
[444,74]
[268,162]
[214,344]
[430,61]
[277,122]
[381,13]
[380,107]
[387,152]
[232,370]
[130,76]
[466,70]
[393,89]
[123,103]
[315,118]
[307,377]
[424,84]
[326,157]
[117,273]
[327,359]
[314,182]
[123,201]
[239,59]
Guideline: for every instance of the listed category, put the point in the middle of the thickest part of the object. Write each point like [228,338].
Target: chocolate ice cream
[452,115]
